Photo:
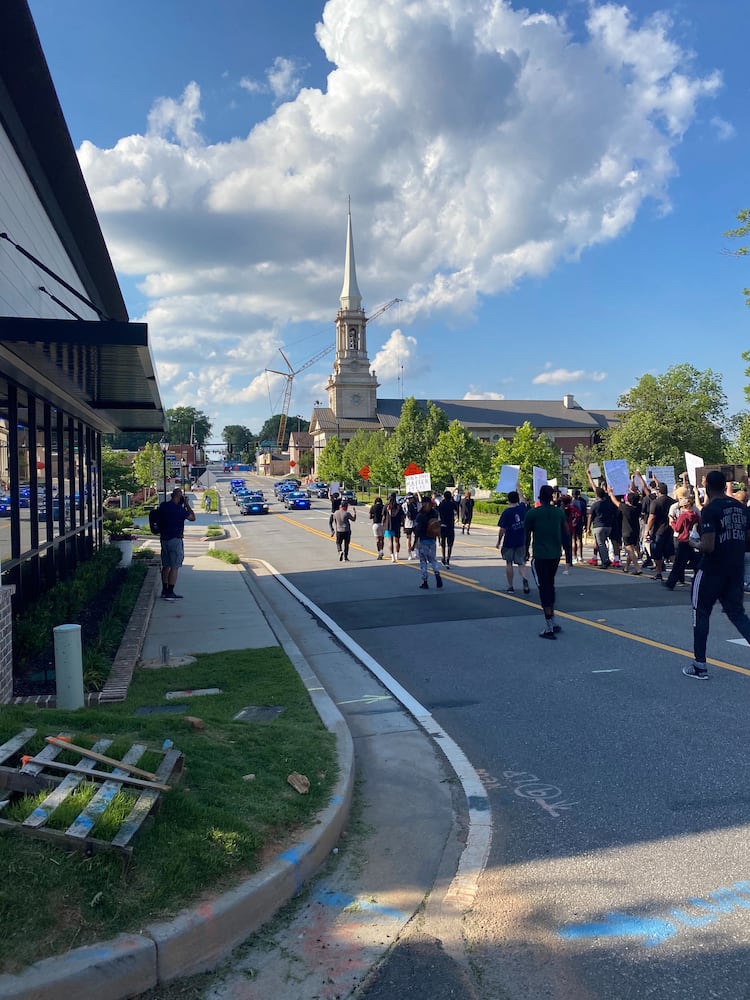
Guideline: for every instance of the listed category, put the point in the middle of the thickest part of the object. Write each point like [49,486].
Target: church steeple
[350,298]
[352,387]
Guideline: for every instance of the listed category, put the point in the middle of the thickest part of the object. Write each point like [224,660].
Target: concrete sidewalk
[218,611]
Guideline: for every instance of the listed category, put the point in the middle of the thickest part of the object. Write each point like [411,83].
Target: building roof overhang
[101,372]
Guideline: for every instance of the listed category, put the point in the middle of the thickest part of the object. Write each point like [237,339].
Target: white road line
[465,882]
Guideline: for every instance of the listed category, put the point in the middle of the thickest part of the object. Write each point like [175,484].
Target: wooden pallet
[41,773]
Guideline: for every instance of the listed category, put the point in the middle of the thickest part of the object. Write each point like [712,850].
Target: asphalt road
[620,811]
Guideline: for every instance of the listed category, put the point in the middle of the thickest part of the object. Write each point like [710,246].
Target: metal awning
[99,371]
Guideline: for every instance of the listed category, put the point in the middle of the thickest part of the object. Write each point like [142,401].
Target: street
[619,813]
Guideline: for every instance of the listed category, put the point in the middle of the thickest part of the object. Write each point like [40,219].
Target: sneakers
[526,586]
[657,576]
[695,670]
[424,585]
[438,581]
[380,555]
[566,571]
[592,562]
[341,556]
[168,597]
[547,635]
[557,628]
[176,597]
[509,590]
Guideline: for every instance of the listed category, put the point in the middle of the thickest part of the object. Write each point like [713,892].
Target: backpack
[154,522]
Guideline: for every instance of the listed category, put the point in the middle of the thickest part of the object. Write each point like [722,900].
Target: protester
[342,522]
[466,511]
[659,530]
[724,536]
[685,556]
[426,531]
[447,509]
[545,527]
[376,516]
[393,522]
[411,509]
[172,515]
[335,504]
[511,540]
[600,521]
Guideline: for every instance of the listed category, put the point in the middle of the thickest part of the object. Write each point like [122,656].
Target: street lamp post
[164,445]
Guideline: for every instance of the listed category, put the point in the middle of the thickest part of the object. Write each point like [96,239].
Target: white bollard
[68,666]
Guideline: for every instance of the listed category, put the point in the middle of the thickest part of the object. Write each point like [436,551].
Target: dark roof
[506,413]
[112,359]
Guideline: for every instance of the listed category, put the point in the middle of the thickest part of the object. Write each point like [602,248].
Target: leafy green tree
[739,233]
[187,424]
[737,442]
[527,449]
[117,472]
[148,466]
[240,439]
[331,463]
[364,448]
[583,457]
[408,437]
[456,458]
[385,469]
[435,423]
[270,429]
[667,415]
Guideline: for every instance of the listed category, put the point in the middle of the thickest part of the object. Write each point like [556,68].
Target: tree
[667,415]
[737,438]
[583,457]
[117,472]
[408,438]
[331,462]
[435,423]
[186,424]
[148,466]
[456,458]
[526,450]
[239,440]
[270,429]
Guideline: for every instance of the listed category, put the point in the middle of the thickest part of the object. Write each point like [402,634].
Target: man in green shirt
[546,529]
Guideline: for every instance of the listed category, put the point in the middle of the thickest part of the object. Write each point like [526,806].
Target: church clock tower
[352,389]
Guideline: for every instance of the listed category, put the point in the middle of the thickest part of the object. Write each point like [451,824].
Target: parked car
[297,500]
[253,506]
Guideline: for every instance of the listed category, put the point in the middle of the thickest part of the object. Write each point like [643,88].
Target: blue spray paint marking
[344,901]
[654,931]
[295,854]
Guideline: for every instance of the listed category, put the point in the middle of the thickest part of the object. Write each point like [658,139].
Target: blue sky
[545,187]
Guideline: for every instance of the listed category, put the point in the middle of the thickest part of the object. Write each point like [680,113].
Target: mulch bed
[38,676]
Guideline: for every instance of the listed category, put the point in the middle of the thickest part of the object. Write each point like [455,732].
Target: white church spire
[350,298]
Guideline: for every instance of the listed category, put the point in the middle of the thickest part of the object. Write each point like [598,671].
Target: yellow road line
[610,629]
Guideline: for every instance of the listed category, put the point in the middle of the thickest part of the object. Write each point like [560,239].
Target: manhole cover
[258,713]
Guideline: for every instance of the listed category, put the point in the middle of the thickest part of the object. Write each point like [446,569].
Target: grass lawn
[212,828]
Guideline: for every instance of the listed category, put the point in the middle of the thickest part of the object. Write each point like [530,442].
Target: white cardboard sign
[508,479]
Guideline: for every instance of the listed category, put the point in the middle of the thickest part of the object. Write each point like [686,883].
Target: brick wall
[6,645]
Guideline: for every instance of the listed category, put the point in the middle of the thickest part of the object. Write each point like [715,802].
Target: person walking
[724,534]
[659,530]
[172,515]
[579,503]
[335,504]
[511,540]
[545,528]
[393,522]
[411,509]
[342,523]
[376,516]
[685,555]
[466,511]
[600,521]
[426,531]
[447,509]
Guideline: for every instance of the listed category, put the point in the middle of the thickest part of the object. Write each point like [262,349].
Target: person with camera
[172,516]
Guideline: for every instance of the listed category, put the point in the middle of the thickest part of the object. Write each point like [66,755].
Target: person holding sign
[511,540]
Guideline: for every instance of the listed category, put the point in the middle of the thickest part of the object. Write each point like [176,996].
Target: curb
[201,936]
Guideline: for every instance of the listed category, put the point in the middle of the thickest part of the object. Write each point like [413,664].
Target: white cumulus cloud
[480,144]
[559,376]
[474,393]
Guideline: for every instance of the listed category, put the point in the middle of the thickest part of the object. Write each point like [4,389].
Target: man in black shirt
[724,535]
[659,530]
[601,519]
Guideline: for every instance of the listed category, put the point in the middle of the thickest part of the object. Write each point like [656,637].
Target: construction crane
[289,375]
